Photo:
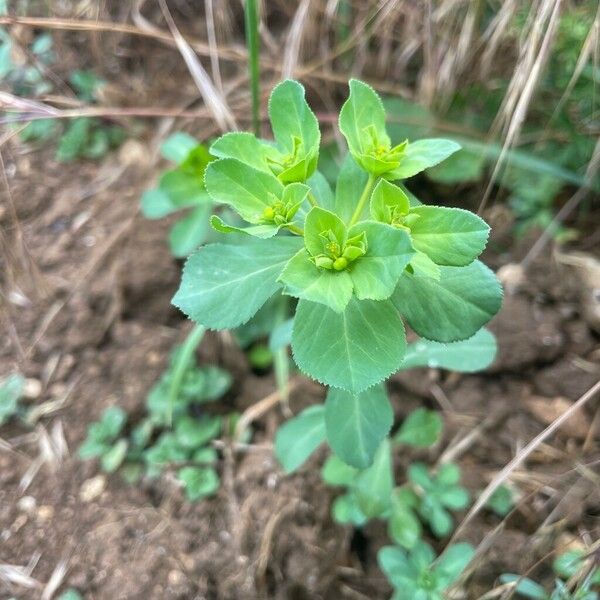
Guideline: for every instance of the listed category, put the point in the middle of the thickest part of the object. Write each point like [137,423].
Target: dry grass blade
[16,575]
[524,81]
[294,40]
[56,579]
[522,456]
[213,99]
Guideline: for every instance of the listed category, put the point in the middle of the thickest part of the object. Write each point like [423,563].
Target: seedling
[418,574]
[82,137]
[436,493]
[103,440]
[175,434]
[582,575]
[502,501]
[11,392]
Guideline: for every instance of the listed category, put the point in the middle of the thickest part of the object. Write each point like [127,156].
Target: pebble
[27,504]
[92,488]
[45,513]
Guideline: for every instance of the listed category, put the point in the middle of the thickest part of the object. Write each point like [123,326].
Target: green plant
[502,501]
[70,594]
[182,189]
[357,261]
[104,440]
[81,137]
[373,492]
[176,433]
[418,574]
[573,565]
[11,392]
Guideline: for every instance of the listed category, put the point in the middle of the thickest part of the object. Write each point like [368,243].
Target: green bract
[358,261]
[362,122]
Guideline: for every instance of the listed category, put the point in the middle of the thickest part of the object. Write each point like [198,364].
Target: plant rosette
[360,261]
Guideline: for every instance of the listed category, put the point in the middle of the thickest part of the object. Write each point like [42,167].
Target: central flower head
[338,254]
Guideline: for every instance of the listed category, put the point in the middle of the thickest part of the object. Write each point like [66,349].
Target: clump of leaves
[419,574]
[435,493]
[582,575]
[11,392]
[175,434]
[182,189]
[104,440]
[359,261]
[87,137]
[81,137]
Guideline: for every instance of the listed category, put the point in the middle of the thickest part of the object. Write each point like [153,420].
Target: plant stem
[280,356]
[312,199]
[251,24]
[295,229]
[363,199]
[187,350]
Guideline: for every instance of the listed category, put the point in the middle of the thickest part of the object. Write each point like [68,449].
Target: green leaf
[350,184]
[422,428]
[336,472]
[11,390]
[73,141]
[183,189]
[206,455]
[156,204]
[373,486]
[319,221]
[423,266]
[525,587]
[389,250]
[303,279]
[385,199]
[177,147]
[568,563]
[244,147]
[249,191]
[299,437]
[113,458]
[112,422]
[463,166]
[439,519]
[192,433]
[291,116]
[352,350]
[453,562]
[190,232]
[454,498]
[403,525]
[322,190]
[467,356]
[453,308]
[449,236]
[345,510]
[362,109]
[357,423]
[281,336]
[260,231]
[70,594]
[224,285]
[501,502]
[198,482]
[421,155]
[394,562]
